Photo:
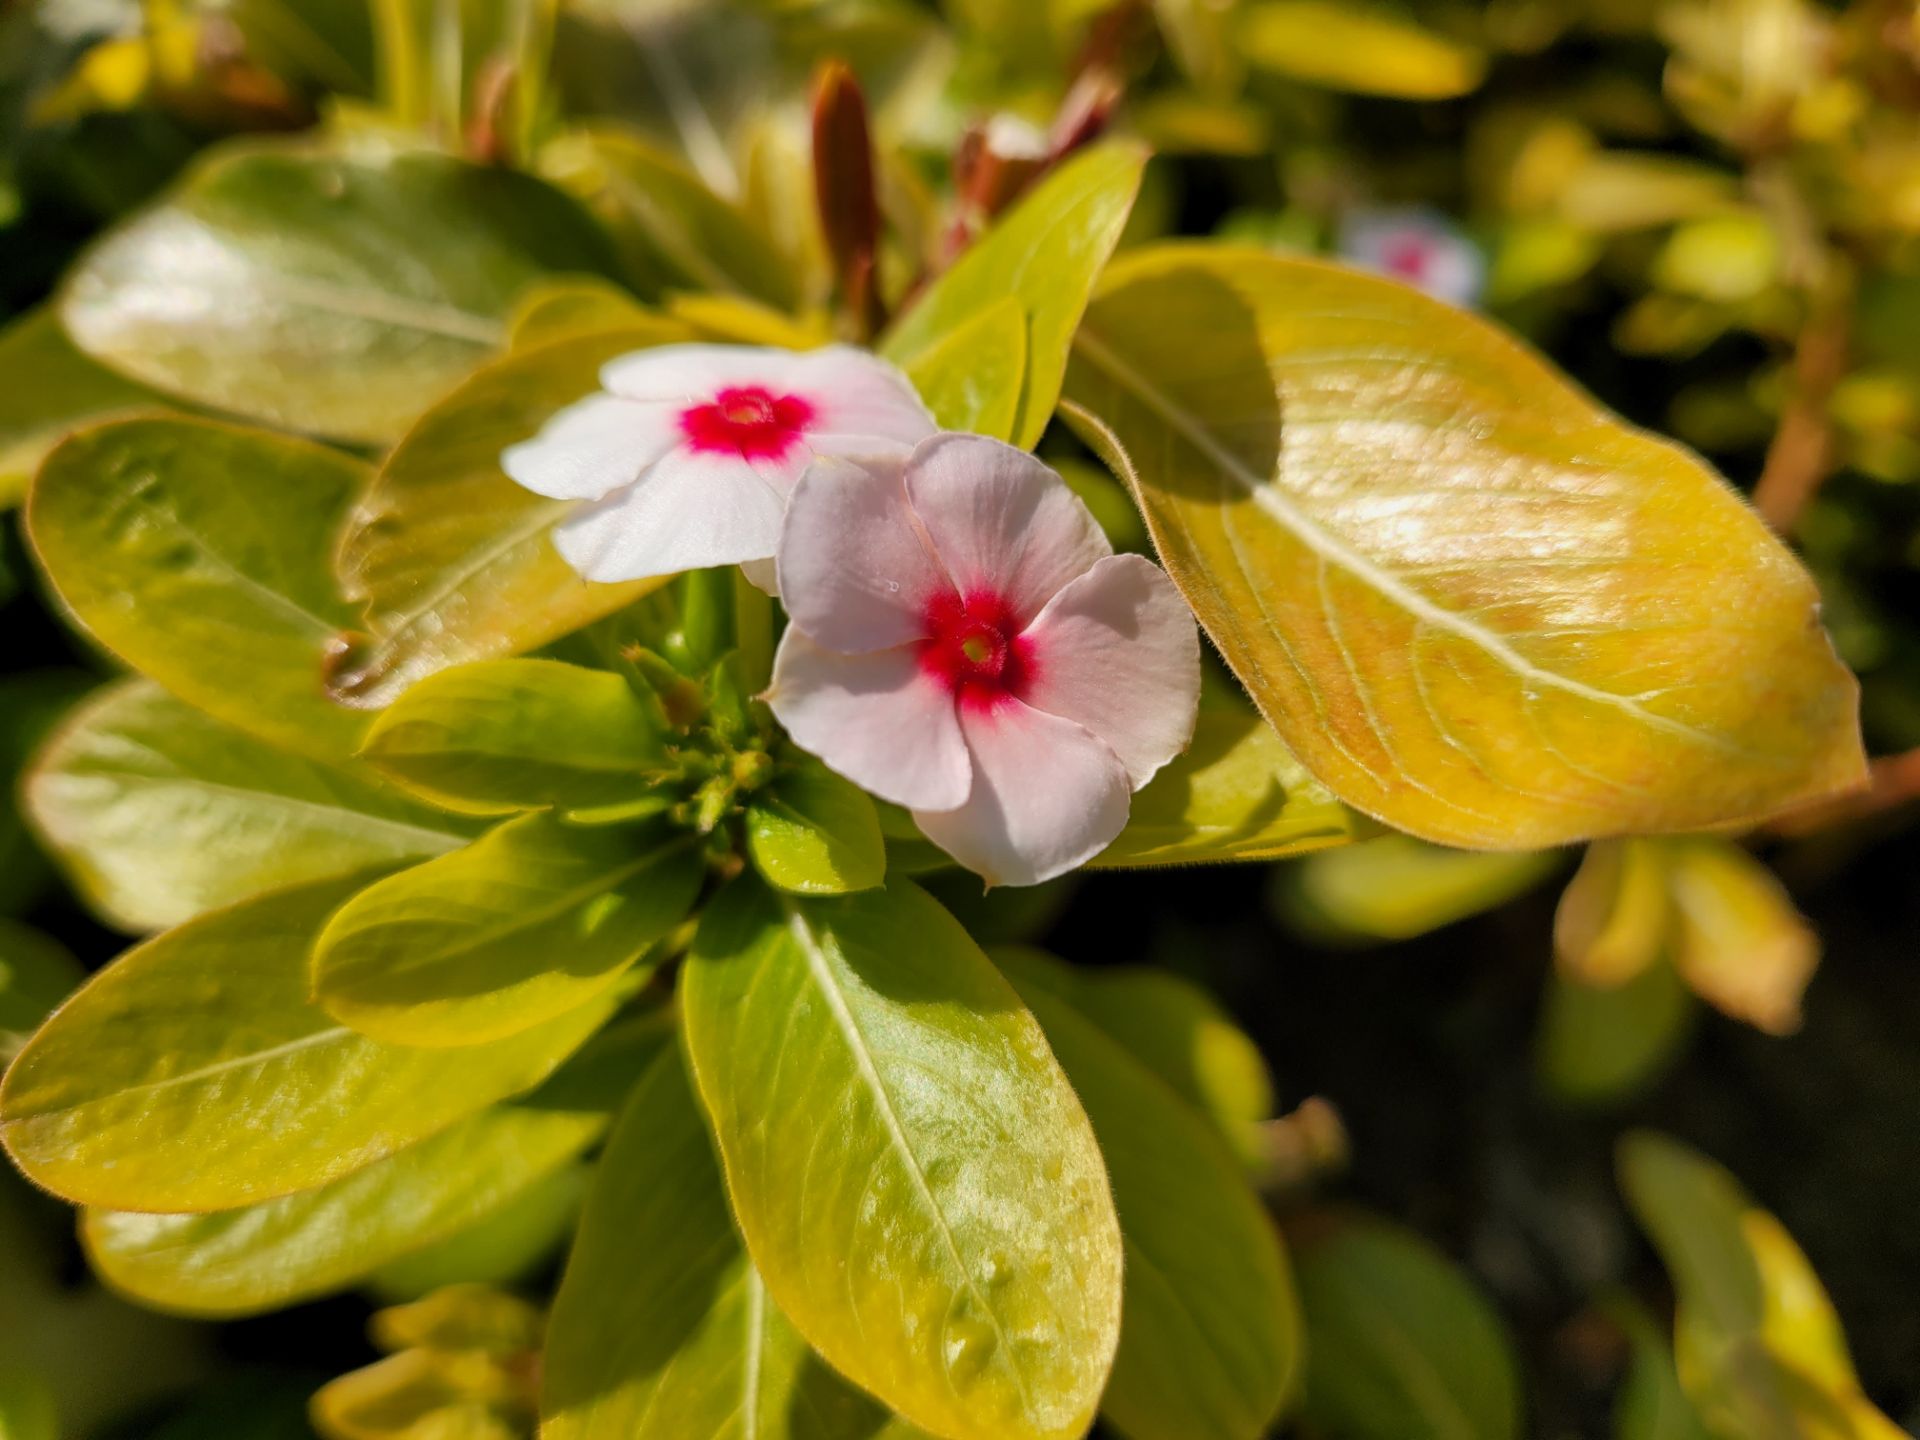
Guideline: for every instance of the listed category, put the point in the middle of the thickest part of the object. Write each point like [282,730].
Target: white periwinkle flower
[688,454]
[965,642]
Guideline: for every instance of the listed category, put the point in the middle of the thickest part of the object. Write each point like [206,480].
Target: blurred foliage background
[1707,211]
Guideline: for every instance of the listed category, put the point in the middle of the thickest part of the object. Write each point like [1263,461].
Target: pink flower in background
[1421,247]
[966,643]
[687,456]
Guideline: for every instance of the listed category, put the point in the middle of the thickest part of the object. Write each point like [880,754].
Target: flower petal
[687,512]
[1001,521]
[1047,796]
[1117,651]
[679,373]
[864,405]
[592,448]
[876,718]
[855,571]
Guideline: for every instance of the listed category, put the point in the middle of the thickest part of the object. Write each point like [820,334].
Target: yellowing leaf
[1211,1344]
[1045,253]
[1348,47]
[1738,940]
[1613,917]
[160,812]
[529,922]
[948,1242]
[1236,793]
[454,561]
[662,1328]
[196,551]
[1474,604]
[1396,887]
[971,379]
[193,1073]
[331,293]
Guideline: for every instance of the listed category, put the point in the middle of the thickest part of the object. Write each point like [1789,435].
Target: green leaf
[1651,1405]
[1402,1343]
[197,552]
[529,922]
[1600,1044]
[1473,603]
[263,1257]
[512,1246]
[26,1408]
[1368,52]
[671,231]
[1396,887]
[1211,1345]
[48,388]
[496,736]
[159,812]
[1173,1028]
[1045,254]
[338,294]
[454,560]
[971,378]
[36,974]
[1236,793]
[662,1328]
[814,833]
[194,1073]
[1691,1209]
[948,1241]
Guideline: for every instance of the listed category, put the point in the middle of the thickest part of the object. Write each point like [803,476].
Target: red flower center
[1408,256]
[747,420]
[974,648]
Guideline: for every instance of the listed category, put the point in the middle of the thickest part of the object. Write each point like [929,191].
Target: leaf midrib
[1281,509]
[856,1042]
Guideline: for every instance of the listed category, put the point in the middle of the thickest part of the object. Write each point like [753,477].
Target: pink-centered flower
[686,457]
[964,642]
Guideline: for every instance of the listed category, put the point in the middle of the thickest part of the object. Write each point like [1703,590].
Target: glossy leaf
[529,922]
[1045,254]
[1396,887]
[36,974]
[496,736]
[662,1328]
[1236,793]
[1353,48]
[160,812]
[454,560]
[971,379]
[47,389]
[1401,1343]
[1474,604]
[196,552]
[333,293]
[814,833]
[671,231]
[514,1245]
[194,1074]
[949,1241]
[1210,1345]
[1175,1030]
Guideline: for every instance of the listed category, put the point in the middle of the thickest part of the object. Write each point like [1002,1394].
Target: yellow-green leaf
[1473,603]
[1236,793]
[36,974]
[971,378]
[47,389]
[194,1073]
[662,1329]
[197,552]
[814,833]
[1348,47]
[333,293]
[1045,254]
[529,922]
[454,560]
[1738,941]
[948,1241]
[1211,1344]
[1400,1342]
[159,812]
[1604,1043]
[496,736]
[571,306]
[1396,887]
